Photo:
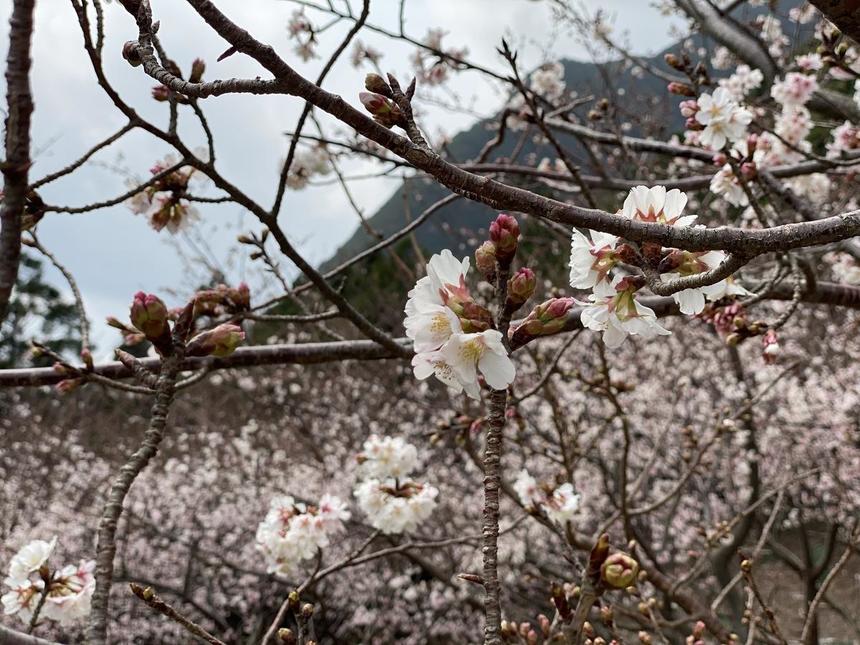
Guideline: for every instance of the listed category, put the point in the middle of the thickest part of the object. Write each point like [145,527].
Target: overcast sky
[114,253]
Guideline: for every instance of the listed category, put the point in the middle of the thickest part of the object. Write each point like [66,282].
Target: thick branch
[16,166]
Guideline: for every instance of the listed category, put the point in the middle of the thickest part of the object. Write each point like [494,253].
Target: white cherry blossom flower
[526,488]
[726,185]
[655,204]
[692,301]
[431,327]
[469,353]
[617,314]
[387,457]
[591,258]
[429,364]
[723,118]
[445,275]
[30,558]
[393,508]
[562,505]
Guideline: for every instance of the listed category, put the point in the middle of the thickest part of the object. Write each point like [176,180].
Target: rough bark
[16,166]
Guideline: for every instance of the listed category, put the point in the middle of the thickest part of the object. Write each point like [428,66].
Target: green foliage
[38,312]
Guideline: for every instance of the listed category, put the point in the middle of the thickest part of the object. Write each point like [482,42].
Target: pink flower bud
[160,93]
[748,169]
[547,318]
[692,124]
[689,108]
[485,260]
[770,347]
[505,234]
[87,358]
[384,111]
[619,571]
[752,144]
[220,341]
[681,89]
[720,159]
[521,286]
[69,385]
[149,315]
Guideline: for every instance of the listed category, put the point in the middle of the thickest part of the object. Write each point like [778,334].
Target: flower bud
[645,638]
[682,89]
[161,93]
[689,108]
[485,260]
[87,358]
[720,159]
[286,636]
[692,124]
[307,610]
[619,570]
[559,600]
[752,143]
[673,61]
[748,169]
[770,347]
[521,287]
[220,341]
[69,385]
[505,234]
[376,84]
[197,69]
[547,318]
[149,315]
[544,623]
[531,637]
[383,110]
[130,53]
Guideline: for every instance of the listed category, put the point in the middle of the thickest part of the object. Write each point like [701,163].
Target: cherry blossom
[613,309]
[743,81]
[655,204]
[469,353]
[794,89]
[292,532]
[591,258]
[395,507]
[69,588]
[725,184]
[692,301]
[387,457]
[559,504]
[723,118]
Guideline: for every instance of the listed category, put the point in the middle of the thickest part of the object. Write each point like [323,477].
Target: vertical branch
[106,546]
[492,481]
[16,165]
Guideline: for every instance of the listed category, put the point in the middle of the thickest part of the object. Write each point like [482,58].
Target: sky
[114,253]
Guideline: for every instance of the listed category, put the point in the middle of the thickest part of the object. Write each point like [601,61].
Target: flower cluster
[306,164]
[67,591]
[451,332]
[293,532]
[723,119]
[302,31]
[432,63]
[560,503]
[392,502]
[164,201]
[612,306]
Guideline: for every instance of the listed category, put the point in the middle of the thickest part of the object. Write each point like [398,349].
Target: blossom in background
[387,457]
[793,124]
[809,62]
[163,202]
[795,89]
[306,164]
[591,258]
[395,507]
[845,138]
[69,589]
[559,504]
[613,309]
[726,185]
[655,204]
[292,532]
[723,118]
[845,268]
[742,82]
[548,81]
